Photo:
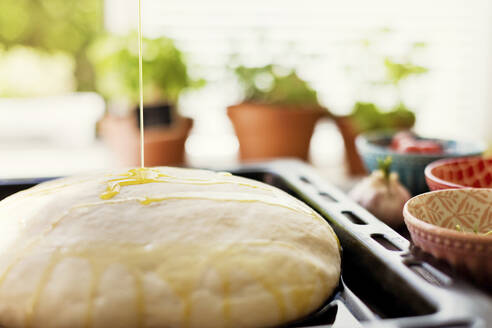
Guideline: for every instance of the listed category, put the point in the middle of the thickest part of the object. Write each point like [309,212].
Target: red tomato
[406,142]
[429,147]
[400,138]
[408,146]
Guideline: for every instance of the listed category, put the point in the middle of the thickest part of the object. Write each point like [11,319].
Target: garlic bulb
[382,194]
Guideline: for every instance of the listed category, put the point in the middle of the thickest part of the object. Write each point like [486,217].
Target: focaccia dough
[161,247]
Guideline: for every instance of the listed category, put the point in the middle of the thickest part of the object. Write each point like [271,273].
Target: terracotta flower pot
[268,131]
[163,145]
[349,133]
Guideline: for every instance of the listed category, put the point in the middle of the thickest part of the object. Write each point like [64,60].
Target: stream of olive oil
[140,83]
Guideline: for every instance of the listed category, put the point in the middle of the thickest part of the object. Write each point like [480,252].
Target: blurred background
[69,79]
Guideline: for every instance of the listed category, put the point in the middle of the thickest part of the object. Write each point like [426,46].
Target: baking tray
[385,281]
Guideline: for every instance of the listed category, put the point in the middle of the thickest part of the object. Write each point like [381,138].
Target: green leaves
[400,117]
[54,25]
[275,85]
[385,166]
[65,25]
[15,21]
[395,72]
[115,59]
[369,117]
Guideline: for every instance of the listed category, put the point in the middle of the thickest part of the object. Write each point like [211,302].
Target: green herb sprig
[385,166]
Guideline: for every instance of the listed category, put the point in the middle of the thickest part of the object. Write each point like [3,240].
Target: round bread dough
[161,247]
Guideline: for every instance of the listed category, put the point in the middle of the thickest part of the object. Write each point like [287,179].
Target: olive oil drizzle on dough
[133,177]
[147,175]
[226,197]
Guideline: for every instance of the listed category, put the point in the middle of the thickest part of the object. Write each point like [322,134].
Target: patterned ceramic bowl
[454,225]
[459,173]
[410,167]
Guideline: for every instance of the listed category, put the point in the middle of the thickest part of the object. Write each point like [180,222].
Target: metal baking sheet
[386,282]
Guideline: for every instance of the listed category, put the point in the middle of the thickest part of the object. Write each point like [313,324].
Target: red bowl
[455,173]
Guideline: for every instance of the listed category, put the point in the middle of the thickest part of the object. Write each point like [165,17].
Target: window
[323,40]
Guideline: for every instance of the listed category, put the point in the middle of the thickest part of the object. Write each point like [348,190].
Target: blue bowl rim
[364,143]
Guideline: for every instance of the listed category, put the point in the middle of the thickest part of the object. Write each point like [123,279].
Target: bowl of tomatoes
[411,154]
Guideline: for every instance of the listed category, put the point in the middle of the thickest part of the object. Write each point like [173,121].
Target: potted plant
[277,115]
[165,76]
[368,116]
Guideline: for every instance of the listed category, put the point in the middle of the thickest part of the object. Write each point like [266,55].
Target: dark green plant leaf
[369,117]
[284,89]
